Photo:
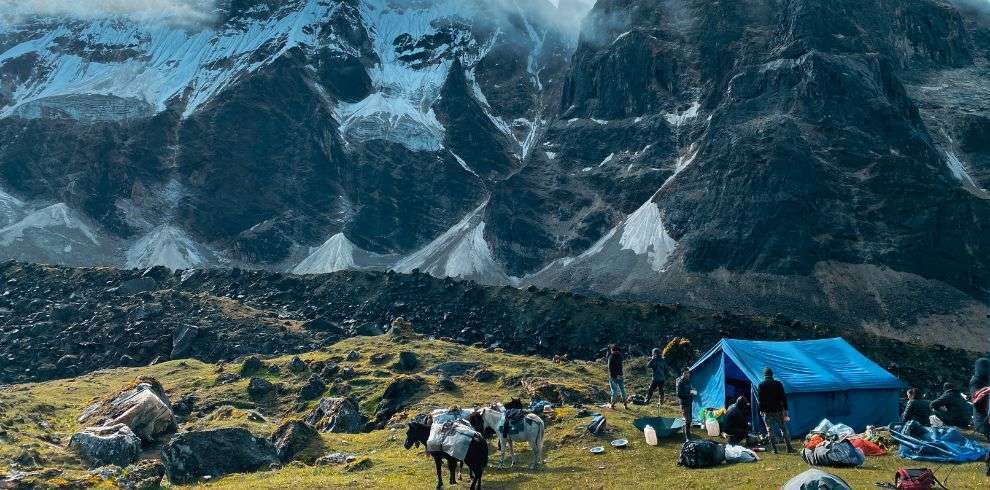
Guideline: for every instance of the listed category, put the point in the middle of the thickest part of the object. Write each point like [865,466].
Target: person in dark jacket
[658,370]
[980,380]
[616,383]
[685,395]
[917,409]
[735,423]
[950,407]
[773,409]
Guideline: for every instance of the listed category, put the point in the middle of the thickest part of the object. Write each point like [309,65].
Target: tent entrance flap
[736,383]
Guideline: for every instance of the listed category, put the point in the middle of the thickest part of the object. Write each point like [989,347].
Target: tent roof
[807,366]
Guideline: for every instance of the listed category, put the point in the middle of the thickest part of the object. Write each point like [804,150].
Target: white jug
[651,435]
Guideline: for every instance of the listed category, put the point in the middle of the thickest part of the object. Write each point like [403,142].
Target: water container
[651,435]
[711,426]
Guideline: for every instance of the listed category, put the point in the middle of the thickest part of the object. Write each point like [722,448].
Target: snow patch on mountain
[644,233]
[166,246]
[161,62]
[461,252]
[681,118]
[337,254]
[400,109]
[11,209]
[55,234]
[958,169]
[52,217]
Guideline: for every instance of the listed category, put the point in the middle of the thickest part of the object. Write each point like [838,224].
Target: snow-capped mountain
[827,160]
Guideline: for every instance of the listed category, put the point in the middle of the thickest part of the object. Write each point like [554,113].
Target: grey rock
[190,456]
[337,458]
[182,341]
[339,415]
[101,446]
[313,388]
[296,440]
[259,388]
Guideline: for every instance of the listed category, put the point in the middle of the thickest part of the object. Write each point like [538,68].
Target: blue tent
[825,378]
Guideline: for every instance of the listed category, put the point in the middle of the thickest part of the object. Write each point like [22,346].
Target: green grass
[42,416]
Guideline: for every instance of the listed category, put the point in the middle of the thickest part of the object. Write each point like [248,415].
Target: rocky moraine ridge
[63,322]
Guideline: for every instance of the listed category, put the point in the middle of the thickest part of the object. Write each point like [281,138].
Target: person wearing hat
[658,369]
[951,407]
[773,409]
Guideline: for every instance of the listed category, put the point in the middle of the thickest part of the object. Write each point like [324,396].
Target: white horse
[533,431]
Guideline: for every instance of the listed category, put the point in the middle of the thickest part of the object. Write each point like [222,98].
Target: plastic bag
[739,454]
[712,428]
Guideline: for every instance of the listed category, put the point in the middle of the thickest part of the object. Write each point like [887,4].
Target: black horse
[476,458]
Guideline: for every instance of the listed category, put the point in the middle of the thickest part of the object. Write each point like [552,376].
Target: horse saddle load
[452,437]
[513,422]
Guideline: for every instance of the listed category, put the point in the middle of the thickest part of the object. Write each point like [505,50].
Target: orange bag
[868,448]
[814,441]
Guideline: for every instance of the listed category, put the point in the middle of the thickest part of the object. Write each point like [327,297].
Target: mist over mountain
[823,160]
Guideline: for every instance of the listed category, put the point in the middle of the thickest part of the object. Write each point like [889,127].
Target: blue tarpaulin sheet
[937,444]
[825,378]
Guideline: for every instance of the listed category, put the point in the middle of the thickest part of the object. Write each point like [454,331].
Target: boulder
[397,395]
[353,355]
[296,365]
[143,475]
[259,388]
[143,407]
[251,365]
[313,388]
[485,376]
[193,455]
[330,370]
[110,445]
[401,330]
[337,458]
[408,361]
[296,440]
[337,415]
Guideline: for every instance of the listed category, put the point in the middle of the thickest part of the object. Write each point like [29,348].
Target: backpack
[701,454]
[916,479]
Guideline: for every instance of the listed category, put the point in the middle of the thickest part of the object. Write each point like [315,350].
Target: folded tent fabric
[937,444]
[816,479]
[664,426]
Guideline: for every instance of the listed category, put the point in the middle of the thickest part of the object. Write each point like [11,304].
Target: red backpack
[916,479]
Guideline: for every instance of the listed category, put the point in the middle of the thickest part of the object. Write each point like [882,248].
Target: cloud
[182,12]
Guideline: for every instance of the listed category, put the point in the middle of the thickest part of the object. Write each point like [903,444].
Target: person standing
[773,409]
[658,369]
[616,383]
[685,394]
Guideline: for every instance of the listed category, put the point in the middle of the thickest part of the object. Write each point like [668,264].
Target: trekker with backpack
[616,383]
[773,409]
[685,394]
[658,369]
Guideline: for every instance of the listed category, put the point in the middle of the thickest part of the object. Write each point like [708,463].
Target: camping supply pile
[874,442]
[831,444]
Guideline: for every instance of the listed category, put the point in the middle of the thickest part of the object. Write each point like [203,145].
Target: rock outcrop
[337,415]
[143,407]
[190,456]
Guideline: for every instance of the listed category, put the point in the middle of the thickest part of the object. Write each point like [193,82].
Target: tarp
[452,437]
[938,444]
[825,378]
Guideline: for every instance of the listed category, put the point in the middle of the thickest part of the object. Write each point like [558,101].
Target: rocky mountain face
[826,160]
